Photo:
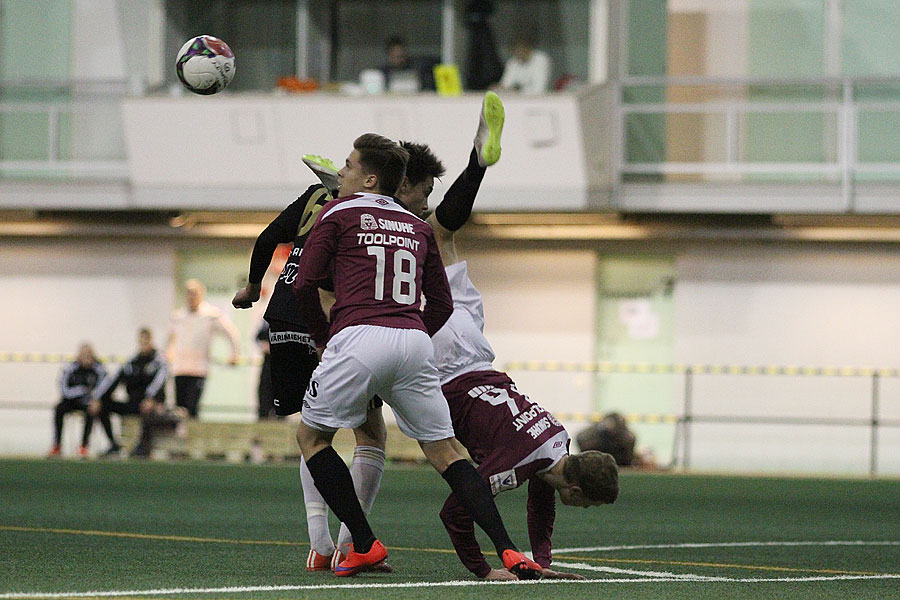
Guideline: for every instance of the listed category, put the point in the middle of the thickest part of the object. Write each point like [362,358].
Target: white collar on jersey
[360,199]
[371,196]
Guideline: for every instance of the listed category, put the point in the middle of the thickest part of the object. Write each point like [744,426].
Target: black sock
[454,210]
[475,495]
[107,428]
[333,480]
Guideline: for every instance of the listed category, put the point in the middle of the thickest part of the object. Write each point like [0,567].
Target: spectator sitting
[77,381]
[144,377]
[403,73]
[528,69]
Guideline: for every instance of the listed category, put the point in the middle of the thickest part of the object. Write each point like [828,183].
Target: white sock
[316,514]
[367,468]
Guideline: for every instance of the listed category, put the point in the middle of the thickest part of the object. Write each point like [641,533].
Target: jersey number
[404,273]
[497,396]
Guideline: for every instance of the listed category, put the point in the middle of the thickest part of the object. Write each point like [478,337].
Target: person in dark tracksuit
[144,378]
[77,382]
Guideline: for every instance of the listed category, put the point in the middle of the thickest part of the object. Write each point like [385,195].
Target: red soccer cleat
[336,559]
[381,567]
[356,562]
[520,565]
[83,452]
[54,450]
[319,562]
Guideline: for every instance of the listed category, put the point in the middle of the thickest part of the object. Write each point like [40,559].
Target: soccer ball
[205,65]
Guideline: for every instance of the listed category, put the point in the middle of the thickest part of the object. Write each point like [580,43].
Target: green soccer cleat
[490,126]
[325,170]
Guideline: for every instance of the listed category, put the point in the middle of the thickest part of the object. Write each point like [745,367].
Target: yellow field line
[182,538]
[151,536]
[682,563]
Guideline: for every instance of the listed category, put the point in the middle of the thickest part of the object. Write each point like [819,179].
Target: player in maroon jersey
[382,260]
[294,358]
[511,438]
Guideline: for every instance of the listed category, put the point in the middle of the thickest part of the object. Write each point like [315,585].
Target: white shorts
[397,365]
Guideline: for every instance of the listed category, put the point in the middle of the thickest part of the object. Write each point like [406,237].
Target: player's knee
[440,454]
[373,432]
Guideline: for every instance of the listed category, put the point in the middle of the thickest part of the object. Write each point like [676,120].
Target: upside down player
[511,438]
[383,260]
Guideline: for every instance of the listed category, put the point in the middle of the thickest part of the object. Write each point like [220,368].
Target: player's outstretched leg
[474,494]
[490,126]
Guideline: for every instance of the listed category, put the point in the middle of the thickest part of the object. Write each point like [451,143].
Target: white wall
[749,305]
[784,305]
[540,306]
[232,151]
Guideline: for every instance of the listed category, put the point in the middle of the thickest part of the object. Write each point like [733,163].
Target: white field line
[725,545]
[650,575]
[643,576]
[423,584]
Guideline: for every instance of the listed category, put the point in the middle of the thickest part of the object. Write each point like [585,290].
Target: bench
[259,441]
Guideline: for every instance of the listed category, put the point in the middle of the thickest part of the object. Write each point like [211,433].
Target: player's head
[592,478]
[194,293]
[422,169]
[376,165]
[85,356]
[145,340]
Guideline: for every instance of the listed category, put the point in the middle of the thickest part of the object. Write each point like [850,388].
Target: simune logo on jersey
[400,226]
[367,222]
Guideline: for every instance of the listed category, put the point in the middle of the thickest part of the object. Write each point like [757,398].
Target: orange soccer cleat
[356,562]
[520,565]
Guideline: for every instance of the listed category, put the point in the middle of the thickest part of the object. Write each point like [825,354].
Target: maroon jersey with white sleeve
[381,260]
[513,440]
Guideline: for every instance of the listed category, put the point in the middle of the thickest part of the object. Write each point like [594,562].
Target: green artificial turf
[74,527]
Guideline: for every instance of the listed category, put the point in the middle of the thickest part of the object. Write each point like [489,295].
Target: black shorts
[188,390]
[294,358]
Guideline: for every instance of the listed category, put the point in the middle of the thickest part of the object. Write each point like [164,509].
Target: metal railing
[689,417]
[840,110]
[72,128]
[683,421]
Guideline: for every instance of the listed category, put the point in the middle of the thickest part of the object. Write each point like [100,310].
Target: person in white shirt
[528,69]
[190,336]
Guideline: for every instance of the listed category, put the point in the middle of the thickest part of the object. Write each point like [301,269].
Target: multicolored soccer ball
[205,65]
